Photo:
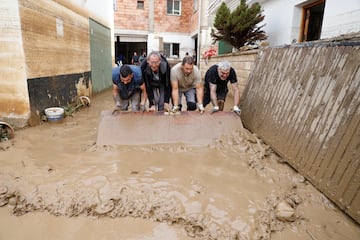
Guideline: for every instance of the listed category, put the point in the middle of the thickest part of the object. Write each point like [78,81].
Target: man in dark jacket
[156,74]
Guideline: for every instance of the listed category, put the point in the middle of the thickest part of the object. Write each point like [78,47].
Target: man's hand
[237,110]
[116,110]
[152,108]
[215,109]
[201,108]
[175,109]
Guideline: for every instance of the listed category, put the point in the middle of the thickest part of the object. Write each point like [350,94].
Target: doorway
[312,21]
[127,49]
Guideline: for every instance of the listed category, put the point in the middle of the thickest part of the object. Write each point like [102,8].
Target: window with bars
[140,5]
[174,7]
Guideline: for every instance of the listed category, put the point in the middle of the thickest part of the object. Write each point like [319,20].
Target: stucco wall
[14,99]
[45,55]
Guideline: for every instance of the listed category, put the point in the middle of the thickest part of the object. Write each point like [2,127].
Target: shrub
[240,27]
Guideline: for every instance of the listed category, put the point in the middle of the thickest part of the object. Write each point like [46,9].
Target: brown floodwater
[57,183]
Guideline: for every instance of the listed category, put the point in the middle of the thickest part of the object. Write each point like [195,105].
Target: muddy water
[56,183]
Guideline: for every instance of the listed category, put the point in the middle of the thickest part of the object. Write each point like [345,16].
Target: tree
[240,27]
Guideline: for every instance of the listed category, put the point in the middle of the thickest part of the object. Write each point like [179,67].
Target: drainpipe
[199,32]
[151,26]
[151,16]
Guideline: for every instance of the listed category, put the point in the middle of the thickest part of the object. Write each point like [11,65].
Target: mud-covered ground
[56,183]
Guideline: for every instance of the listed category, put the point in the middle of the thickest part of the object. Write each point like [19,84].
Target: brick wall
[128,17]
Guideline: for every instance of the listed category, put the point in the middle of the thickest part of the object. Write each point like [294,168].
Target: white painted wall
[341,17]
[283,18]
[278,21]
[185,41]
[101,11]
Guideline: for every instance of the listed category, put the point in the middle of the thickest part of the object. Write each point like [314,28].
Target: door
[312,21]
[100,56]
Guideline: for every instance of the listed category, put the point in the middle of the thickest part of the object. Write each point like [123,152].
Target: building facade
[175,27]
[51,53]
[294,21]
[168,26]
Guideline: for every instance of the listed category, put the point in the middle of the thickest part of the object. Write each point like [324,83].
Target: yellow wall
[42,38]
[14,99]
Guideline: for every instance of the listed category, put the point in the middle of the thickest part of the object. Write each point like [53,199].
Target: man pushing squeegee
[129,86]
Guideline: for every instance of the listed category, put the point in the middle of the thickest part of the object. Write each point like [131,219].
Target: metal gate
[100,56]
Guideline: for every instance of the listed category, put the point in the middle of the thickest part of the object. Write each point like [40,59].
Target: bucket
[54,114]
[6,131]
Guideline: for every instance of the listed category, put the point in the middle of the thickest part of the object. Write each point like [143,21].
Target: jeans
[159,96]
[134,100]
[190,96]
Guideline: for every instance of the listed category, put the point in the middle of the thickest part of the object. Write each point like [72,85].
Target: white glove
[237,110]
[215,109]
[175,108]
[201,108]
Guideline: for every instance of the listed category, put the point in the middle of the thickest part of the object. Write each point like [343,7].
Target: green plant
[81,101]
[240,27]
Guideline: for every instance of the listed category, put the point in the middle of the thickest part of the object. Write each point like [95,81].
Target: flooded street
[56,183]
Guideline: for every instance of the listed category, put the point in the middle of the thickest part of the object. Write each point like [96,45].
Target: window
[174,7]
[140,5]
[195,5]
[114,5]
[171,49]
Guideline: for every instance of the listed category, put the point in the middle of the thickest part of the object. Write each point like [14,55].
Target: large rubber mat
[192,128]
